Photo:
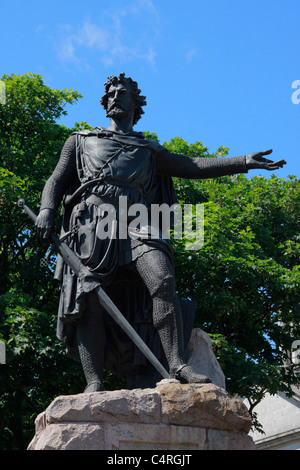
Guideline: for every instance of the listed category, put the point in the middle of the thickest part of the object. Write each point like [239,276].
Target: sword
[89,284]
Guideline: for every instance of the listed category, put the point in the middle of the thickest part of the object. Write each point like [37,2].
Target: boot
[91,342]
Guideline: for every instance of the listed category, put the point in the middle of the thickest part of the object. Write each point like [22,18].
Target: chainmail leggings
[156,270]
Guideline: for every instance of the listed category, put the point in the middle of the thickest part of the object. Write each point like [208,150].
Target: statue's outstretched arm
[199,168]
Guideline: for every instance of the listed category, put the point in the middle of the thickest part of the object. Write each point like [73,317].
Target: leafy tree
[30,142]
[245,279]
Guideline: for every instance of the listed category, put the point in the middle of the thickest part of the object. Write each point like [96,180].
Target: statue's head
[137,100]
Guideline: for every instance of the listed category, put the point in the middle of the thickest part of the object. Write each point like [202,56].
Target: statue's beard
[119,113]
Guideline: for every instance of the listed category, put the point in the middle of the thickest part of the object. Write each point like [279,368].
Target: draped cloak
[114,165]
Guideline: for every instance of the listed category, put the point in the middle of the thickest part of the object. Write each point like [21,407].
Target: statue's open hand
[45,223]
[256,160]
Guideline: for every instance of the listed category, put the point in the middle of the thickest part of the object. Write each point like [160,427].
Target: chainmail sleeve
[61,177]
[182,166]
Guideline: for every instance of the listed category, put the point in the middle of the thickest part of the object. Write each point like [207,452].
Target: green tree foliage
[245,279]
[30,142]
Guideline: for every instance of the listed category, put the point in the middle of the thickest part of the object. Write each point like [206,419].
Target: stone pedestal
[171,416]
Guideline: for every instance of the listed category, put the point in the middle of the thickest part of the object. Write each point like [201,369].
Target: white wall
[280,419]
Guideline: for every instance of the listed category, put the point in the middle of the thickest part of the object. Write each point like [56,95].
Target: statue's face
[120,102]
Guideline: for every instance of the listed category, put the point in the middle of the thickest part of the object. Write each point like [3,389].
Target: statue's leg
[156,270]
[91,343]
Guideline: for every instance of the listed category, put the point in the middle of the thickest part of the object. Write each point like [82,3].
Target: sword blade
[81,271]
[111,308]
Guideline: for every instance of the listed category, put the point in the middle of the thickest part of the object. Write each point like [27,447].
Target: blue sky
[217,71]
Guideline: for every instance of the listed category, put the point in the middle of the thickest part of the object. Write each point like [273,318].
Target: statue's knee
[163,288]
[163,318]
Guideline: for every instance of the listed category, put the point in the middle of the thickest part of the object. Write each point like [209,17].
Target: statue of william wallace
[95,169]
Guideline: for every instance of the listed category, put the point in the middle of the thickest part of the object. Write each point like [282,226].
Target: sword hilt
[22,204]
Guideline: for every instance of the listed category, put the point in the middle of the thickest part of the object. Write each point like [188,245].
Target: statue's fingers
[42,231]
[266,160]
[281,162]
[47,232]
[271,167]
[267,152]
[38,229]
[274,166]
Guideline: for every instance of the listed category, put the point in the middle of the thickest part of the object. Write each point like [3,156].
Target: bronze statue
[97,168]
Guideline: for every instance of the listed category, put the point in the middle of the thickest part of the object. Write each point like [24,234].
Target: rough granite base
[171,416]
